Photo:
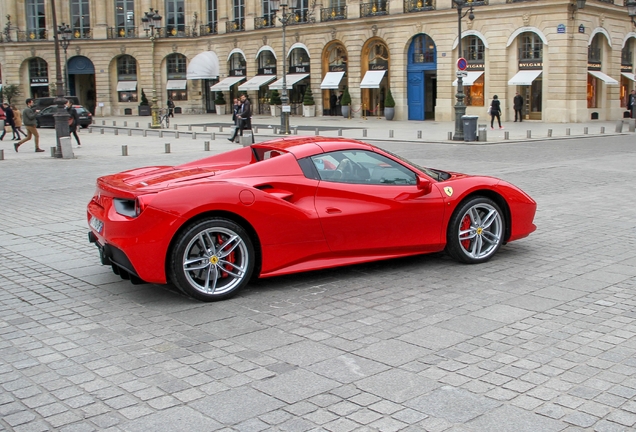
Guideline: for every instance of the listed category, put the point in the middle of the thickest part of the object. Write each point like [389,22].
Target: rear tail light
[132,208]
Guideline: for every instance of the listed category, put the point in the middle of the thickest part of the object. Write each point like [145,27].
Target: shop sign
[626,68]
[237,72]
[338,68]
[475,67]
[594,66]
[529,65]
[267,71]
[39,81]
[299,69]
[378,67]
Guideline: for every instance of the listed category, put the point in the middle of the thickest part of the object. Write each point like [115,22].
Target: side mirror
[424,184]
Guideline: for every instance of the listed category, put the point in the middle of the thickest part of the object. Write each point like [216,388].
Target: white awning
[256,82]
[290,79]
[606,78]
[204,65]
[524,77]
[226,83]
[331,80]
[470,79]
[36,84]
[176,84]
[629,75]
[126,86]
[372,79]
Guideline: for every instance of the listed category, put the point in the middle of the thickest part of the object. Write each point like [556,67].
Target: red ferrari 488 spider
[291,205]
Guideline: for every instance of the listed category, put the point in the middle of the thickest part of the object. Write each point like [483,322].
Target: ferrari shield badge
[449,191]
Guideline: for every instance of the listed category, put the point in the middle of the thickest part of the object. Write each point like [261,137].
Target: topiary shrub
[346,98]
[144,99]
[274,98]
[388,100]
[220,100]
[308,97]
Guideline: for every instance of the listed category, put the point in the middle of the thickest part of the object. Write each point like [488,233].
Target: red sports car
[291,205]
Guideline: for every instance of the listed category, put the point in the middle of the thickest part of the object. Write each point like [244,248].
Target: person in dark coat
[73,121]
[495,111]
[236,110]
[333,101]
[631,103]
[170,108]
[245,116]
[518,105]
[9,121]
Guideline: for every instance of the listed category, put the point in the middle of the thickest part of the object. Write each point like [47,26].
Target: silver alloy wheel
[480,231]
[215,261]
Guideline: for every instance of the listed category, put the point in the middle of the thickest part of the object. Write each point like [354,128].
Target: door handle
[333,210]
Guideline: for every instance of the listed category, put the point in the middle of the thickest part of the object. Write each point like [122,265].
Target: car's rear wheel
[476,231]
[212,259]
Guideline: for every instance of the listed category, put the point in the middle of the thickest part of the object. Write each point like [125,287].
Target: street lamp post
[285,17]
[61,116]
[460,107]
[631,10]
[152,24]
[65,32]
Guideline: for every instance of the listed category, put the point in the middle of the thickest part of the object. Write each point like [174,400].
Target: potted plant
[345,103]
[144,106]
[309,105]
[275,103]
[219,103]
[389,106]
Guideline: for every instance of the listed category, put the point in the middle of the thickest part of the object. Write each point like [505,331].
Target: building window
[337,58]
[475,93]
[474,51]
[127,71]
[125,18]
[212,12]
[299,57]
[302,12]
[36,18]
[176,66]
[594,50]
[239,10]
[175,16]
[266,60]
[80,19]
[38,68]
[531,47]
[423,50]
[378,57]
[269,18]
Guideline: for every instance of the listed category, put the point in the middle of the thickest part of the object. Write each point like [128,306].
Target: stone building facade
[569,64]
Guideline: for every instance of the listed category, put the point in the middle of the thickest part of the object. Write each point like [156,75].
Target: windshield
[435,174]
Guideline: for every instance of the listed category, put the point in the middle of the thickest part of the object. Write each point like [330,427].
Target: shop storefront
[528,79]
[39,77]
[334,72]
[422,78]
[205,66]
[375,69]
[266,73]
[297,78]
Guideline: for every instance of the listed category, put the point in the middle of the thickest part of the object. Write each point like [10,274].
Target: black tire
[203,268]
[476,231]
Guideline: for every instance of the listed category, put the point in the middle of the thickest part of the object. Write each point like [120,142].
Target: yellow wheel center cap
[214,260]
[480,230]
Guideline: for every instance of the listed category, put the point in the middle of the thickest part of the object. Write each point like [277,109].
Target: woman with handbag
[17,119]
[73,121]
[495,111]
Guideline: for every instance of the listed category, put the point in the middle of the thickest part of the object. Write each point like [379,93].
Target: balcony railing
[473,3]
[609,1]
[424,57]
[333,13]
[518,1]
[237,25]
[82,33]
[179,31]
[266,21]
[208,29]
[418,5]
[121,32]
[374,9]
[530,54]
[594,55]
[301,17]
[32,35]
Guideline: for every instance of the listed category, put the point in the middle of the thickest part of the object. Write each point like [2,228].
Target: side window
[361,167]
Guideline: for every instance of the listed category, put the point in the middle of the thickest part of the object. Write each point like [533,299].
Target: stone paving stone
[177,418]
[454,405]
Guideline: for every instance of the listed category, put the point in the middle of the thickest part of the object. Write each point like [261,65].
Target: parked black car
[45,117]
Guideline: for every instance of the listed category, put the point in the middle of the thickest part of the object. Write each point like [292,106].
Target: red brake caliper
[463,227]
[229,258]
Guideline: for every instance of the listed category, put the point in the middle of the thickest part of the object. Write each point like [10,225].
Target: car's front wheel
[476,231]
[212,259]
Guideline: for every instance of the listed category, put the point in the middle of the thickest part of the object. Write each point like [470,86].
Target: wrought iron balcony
[472,3]
[531,54]
[594,55]
[32,35]
[418,5]
[121,32]
[374,9]
[237,25]
[333,13]
[208,29]
[266,21]
[82,33]
[518,1]
[301,17]
[179,31]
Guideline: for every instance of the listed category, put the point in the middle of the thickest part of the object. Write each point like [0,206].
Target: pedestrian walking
[244,118]
[339,104]
[73,121]
[518,105]
[333,101]
[3,118]
[495,111]
[17,119]
[28,117]
[631,103]
[8,122]
[236,108]
[170,108]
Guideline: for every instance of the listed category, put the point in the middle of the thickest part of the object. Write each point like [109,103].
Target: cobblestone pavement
[542,338]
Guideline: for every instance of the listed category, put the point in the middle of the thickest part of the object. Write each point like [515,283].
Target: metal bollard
[340,132]
[602,129]
[53,149]
[295,131]
[450,136]
[125,124]
[220,129]
[124,150]
[206,145]
[506,135]
[255,128]
[114,123]
[90,130]
[136,124]
[585,130]
[619,126]
[632,125]
[189,127]
[103,122]
[176,127]
[160,134]
[176,134]
[194,135]
[528,133]
[116,131]
[317,131]
[364,133]
[567,131]
[129,132]
[205,128]
[213,136]
[549,133]
[149,125]
[101,131]
[390,133]
[145,133]
[167,147]
[1,154]
[419,134]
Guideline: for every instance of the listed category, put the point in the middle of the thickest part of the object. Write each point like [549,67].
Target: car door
[377,208]
[46,118]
